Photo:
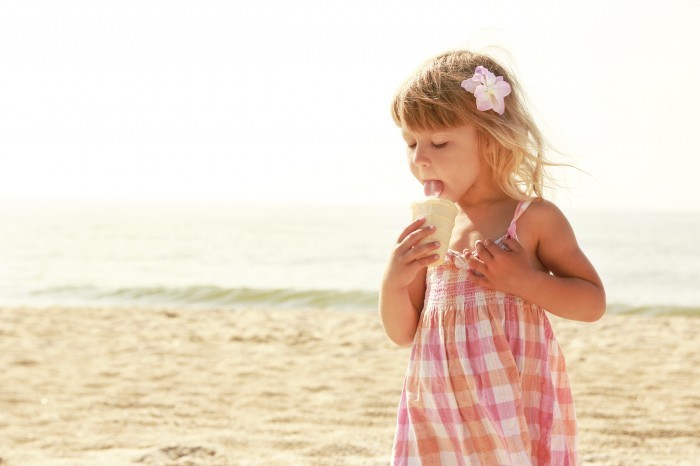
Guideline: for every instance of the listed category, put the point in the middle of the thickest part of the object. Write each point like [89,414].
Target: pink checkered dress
[486,383]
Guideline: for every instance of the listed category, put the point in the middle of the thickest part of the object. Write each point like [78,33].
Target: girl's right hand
[408,256]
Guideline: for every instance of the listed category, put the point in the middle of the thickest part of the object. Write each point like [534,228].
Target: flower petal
[483,100]
[481,93]
[490,78]
[480,70]
[483,105]
[498,105]
[502,88]
[470,84]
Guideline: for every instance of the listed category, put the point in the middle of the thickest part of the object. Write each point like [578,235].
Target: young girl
[486,383]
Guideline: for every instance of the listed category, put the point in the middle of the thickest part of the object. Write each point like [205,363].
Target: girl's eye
[436,146]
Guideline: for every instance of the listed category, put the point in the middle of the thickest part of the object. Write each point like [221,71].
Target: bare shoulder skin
[545,266]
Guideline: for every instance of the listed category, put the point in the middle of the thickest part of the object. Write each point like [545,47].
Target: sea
[236,256]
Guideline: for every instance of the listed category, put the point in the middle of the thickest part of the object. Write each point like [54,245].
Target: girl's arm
[403,285]
[573,289]
[400,308]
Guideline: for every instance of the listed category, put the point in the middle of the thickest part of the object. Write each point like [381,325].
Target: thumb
[513,244]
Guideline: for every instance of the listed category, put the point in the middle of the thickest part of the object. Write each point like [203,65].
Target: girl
[486,383]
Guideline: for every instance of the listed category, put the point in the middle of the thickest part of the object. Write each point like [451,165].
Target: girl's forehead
[409,133]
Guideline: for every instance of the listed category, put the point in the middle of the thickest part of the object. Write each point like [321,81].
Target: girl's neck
[482,218]
[481,196]
[483,192]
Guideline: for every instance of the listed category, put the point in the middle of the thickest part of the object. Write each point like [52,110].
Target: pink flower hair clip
[488,89]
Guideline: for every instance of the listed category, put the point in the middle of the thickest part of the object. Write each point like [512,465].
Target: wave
[654,310]
[211,296]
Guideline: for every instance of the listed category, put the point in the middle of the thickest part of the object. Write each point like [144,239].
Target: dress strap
[522,206]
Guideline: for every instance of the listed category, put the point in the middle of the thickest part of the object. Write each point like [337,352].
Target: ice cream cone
[440,213]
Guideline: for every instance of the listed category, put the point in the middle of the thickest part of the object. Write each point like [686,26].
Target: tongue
[433,188]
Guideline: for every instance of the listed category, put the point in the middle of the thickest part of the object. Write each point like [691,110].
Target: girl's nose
[420,156]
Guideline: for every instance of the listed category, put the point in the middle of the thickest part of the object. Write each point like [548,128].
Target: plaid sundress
[486,383]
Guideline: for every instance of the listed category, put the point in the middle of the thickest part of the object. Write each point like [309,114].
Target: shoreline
[85,386]
[311,300]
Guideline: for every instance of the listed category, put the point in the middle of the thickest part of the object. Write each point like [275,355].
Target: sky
[288,102]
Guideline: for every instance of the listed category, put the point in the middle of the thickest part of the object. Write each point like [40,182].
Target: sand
[280,387]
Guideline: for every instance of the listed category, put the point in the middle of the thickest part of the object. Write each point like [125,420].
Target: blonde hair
[433,99]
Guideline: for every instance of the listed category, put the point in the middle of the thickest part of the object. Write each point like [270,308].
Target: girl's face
[448,155]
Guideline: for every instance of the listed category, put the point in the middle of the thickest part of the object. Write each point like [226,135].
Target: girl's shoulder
[543,219]
[549,239]
[542,209]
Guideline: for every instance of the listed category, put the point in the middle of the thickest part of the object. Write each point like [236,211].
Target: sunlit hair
[432,99]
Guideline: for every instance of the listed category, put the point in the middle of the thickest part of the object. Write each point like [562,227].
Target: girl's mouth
[433,188]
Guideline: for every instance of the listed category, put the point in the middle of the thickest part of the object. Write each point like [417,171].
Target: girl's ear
[483,139]
[484,142]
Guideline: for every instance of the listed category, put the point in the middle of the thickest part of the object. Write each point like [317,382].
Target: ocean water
[242,256]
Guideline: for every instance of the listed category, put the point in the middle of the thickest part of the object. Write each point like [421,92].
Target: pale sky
[281,101]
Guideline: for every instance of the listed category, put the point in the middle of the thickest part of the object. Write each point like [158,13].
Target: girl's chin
[447,197]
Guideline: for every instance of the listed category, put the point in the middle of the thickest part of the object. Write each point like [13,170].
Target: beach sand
[282,387]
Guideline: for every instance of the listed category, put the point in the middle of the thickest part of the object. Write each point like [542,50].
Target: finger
[425,261]
[413,226]
[513,244]
[482,251]
[412,235]
[493,248]
[416,237]
[420,250]
[478,279]
[421,255]
[476,264]
[416,244]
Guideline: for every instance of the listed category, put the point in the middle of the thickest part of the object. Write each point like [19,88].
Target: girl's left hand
[498,269]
